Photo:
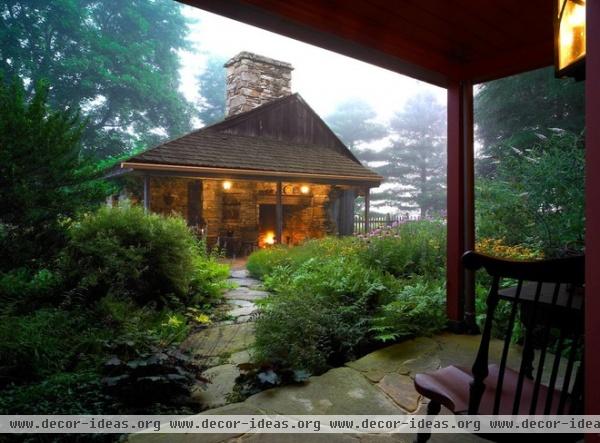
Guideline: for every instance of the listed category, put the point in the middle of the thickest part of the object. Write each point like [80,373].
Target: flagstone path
[380,383]
[223,346]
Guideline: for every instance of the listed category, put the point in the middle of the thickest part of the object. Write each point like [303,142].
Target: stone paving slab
[246,318]
[242,311]
[222,380]
[241,303]
[246,282]
[239,273]
[340,391]
[295,438]
[401,389]
[220,339]
[244,293]
[394,358]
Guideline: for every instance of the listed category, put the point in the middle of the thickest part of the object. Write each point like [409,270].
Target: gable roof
[287,118]
[283,138]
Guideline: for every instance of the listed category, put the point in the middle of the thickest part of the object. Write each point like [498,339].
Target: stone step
[251,283]
[243,311]
[220,339]
[245,294]
[239,273]
[241,303]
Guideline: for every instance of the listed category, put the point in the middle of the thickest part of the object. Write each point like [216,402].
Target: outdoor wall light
[304,189]
[569,38]
[227,185]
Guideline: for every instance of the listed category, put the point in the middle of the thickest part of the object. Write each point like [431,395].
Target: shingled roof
[282,137]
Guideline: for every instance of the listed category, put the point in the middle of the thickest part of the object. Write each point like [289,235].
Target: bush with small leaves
[146,257]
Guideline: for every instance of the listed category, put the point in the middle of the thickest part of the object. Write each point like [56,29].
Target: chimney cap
[245,55]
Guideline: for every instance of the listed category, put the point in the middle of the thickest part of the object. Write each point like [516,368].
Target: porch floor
[379,383]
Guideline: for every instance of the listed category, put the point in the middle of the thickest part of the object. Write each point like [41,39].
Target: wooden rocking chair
[549,294]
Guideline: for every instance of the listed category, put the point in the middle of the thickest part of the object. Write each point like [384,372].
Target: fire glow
[269,238]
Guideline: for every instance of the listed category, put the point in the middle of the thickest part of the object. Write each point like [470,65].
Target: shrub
[147,257]
[409,248]
[418,309]
[320,313]
[263,262]
[335,297]
[45,176]
[44,342]
[62,393]
[536,197]
[22,288]
[162,375]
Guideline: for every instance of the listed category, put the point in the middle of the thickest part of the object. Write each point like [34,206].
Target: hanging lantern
[569,37]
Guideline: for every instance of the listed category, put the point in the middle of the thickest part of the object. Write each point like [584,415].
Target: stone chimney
[253,80]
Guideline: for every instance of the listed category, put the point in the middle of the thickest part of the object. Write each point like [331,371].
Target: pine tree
[45,179]
[212,89]
[416,160]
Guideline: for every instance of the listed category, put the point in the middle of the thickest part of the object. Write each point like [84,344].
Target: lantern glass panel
[571,32]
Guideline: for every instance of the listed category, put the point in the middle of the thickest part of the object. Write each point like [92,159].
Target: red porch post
[460,203]
[592,202]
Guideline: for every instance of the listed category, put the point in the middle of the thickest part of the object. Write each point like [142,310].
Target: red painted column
[460,202]
[592,202]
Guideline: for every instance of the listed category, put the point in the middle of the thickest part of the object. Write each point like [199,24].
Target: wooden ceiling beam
[415,62]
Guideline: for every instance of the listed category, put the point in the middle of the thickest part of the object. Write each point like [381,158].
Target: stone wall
[235,213]
[253,80]
[169,196]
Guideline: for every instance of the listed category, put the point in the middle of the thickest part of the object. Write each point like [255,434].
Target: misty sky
[322,77]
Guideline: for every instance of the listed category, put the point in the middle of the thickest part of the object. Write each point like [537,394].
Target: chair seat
[450,387]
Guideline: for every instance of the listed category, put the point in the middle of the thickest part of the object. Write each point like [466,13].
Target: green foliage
[22,289]
[320,314]
[530,181]
[147,257]
[264,261]
[44,178]
[510,112]
[408,249]
[335,297]
[43,343]
[212,89]
[160,375]
[53,360]
[116,60]
[418,309]
[537,198]
[61,393]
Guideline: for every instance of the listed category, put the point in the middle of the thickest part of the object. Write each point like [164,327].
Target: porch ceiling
[438,41]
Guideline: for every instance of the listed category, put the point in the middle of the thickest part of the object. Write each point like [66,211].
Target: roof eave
[249,174]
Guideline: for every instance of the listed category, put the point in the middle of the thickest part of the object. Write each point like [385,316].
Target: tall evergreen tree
[512,112]
[416,160]
[44,177]
[212,89]
[117,60]
[353,122]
